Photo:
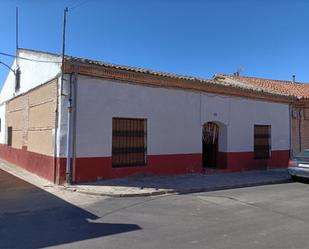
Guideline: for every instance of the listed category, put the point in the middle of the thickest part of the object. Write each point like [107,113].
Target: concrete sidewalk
[181,184]
[158,185]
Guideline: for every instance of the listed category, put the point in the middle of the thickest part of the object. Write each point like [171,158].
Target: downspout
[290,129]
[69,134]
[299,130]
[74,125]
[71,130]
[56,134]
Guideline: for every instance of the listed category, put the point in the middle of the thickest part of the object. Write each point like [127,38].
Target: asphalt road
[272,216]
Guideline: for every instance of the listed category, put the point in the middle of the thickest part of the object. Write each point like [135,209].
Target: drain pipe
[300,129]
[69,135]
[74,106]
[291,153]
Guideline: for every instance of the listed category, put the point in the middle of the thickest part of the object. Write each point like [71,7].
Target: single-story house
[83,120]
[299,113]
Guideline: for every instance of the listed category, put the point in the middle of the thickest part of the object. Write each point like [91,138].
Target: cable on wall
[28,59]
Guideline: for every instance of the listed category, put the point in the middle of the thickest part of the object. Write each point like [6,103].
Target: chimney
[293,78]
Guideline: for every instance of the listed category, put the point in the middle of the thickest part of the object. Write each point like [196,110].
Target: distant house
[96,120]
[299,109]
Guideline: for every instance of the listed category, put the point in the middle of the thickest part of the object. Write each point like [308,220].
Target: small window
[262,138]
[10,134]
[129,142]
[17,79]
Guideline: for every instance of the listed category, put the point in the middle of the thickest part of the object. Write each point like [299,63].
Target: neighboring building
[127,121]
[28,112]
[299,111]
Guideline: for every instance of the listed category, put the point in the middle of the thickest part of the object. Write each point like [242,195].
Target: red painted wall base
[239,161]
[38,164]
[97,168]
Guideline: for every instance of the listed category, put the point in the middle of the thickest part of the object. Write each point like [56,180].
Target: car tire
[294,178]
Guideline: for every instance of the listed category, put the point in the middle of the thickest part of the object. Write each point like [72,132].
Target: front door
[210,144]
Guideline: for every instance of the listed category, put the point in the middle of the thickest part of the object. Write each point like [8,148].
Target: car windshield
[304,153]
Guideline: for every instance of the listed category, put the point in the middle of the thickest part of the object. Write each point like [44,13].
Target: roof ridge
[260,78]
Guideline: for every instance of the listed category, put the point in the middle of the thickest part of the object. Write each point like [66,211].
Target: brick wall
[32,117]
[300,136]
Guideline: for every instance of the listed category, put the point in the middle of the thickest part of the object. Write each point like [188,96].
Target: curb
[245,185]
[44,184]
[153,193]
[180,191]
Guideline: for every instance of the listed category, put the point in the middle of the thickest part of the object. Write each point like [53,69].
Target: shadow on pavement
[33,218]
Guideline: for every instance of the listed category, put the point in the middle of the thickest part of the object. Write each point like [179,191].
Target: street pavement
[270,216]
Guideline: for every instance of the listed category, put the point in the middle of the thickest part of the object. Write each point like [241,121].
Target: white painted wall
[33,74]
[174,118]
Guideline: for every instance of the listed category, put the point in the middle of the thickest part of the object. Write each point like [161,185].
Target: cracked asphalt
[270,216]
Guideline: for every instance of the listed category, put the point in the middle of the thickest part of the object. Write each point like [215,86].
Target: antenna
[240,69]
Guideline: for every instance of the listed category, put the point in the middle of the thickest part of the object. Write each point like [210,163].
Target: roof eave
[222,85]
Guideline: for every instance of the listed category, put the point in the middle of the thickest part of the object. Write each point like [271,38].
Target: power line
[7,67]
[29,59]
[78,5]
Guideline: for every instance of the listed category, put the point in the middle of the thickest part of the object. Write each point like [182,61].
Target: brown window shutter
[129,142]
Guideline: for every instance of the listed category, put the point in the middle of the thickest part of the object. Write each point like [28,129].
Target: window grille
[129,142]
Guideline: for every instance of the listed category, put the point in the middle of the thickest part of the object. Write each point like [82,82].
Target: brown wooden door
[210,144]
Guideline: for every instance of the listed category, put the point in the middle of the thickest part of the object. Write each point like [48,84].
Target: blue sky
[270,38]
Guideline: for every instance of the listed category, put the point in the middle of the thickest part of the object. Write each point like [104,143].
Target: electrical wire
[29,59]
[77,5]
[2,63]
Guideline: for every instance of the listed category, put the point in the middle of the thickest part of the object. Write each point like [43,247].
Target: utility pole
[63,41]
[68,149]
[17,70]
[16,29]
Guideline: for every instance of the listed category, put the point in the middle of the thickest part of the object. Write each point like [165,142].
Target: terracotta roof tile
[247,87]
[297,89]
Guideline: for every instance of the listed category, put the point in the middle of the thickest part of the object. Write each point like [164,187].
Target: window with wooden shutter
[9,136]
[129,144]
[262,139]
